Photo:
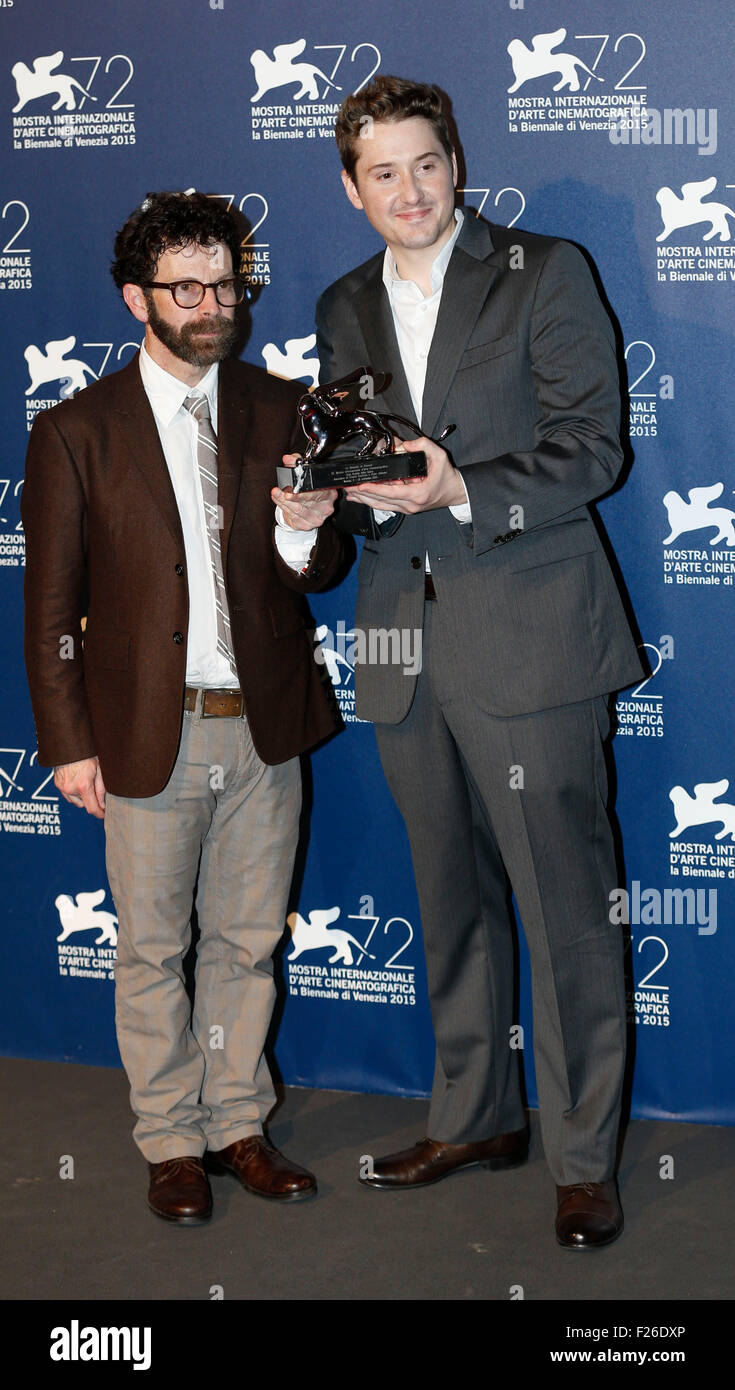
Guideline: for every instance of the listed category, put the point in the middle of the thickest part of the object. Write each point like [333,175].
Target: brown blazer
[103,538]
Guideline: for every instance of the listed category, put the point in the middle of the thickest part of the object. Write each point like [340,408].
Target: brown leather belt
[214,704]
[429,590]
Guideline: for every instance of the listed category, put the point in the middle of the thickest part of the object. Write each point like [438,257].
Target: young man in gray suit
[494,753]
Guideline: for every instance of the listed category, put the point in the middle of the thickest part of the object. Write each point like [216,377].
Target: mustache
[212,323]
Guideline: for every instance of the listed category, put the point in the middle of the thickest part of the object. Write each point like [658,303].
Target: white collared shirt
[414,319]
[177,429]
[415,315]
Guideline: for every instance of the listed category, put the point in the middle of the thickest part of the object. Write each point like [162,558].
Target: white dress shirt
[178,431]
[414,319]
[415,314]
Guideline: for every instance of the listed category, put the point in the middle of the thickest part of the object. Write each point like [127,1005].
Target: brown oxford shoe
[588,1215]
[429,1161]
[179,1191]
[263,1170]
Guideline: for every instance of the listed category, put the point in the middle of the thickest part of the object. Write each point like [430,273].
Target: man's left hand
[303,511]
[442,486]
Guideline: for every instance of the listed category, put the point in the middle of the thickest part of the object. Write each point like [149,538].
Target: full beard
[189,344]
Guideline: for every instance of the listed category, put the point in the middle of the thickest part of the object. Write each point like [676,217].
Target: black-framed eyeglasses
[189,293]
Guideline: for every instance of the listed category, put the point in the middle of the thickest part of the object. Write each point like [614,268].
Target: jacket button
[416,562]
[178,638]
[179,569]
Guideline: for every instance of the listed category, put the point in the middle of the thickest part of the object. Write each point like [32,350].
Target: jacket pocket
[552,543]
[483,352]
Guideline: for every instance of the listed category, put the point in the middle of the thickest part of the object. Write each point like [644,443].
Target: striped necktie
[198,406]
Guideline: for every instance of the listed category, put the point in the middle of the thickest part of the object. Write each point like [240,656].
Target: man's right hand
[81,785]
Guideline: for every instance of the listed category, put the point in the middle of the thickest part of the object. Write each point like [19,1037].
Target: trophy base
[346,470]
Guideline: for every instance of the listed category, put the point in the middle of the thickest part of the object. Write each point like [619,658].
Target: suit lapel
[472,269]
[471,272]
[138,432]
[373,310]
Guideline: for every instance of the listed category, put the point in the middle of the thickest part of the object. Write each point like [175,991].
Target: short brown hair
[387,99]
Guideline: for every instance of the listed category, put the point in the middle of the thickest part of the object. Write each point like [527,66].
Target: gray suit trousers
[223,834]
[485,800]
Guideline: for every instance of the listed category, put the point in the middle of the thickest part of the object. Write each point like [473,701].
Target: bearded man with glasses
[179,713]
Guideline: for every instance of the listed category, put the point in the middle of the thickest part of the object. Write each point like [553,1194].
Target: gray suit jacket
[523,363]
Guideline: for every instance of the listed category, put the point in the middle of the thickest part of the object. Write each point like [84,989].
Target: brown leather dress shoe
[179,1191]
[588,1214]
[429,1161]
[263,1170]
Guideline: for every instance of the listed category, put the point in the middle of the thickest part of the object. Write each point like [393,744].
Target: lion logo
[282,71]
[316,934]
[702,808]
[689,209]
[53,365]
[539,61]
[82,916]
[42,81]
[697,515]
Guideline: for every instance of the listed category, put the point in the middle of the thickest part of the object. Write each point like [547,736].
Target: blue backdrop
[608,123]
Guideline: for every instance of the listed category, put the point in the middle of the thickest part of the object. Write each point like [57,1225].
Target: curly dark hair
[387,99]
[168,221]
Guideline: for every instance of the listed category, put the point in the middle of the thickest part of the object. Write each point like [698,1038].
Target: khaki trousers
[222,834]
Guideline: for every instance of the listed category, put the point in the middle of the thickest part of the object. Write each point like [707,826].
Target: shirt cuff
[294,547]
[463,511]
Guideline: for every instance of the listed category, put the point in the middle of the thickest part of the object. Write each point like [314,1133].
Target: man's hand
[442,486]
[81,785]
[303,510]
